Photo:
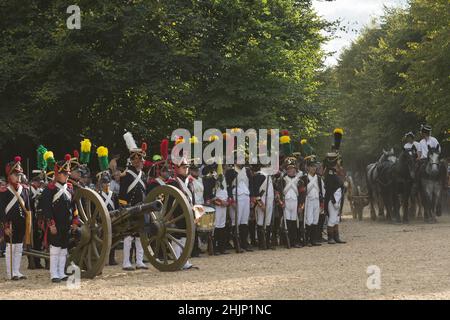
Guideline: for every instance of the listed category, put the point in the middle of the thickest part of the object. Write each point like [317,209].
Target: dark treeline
[153,66]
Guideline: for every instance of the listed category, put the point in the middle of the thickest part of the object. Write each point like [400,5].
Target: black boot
[268,238]
[320,227]
[112,259]
[244,237]
[216,238]
[293,234]
[222,241]
[330,235]
[315,235]
[261,244]
[195,249]
[237,246]
[308,239]
[252,232]
[336,235]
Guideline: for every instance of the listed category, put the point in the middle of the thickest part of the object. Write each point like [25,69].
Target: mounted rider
[412,146]
[427,142]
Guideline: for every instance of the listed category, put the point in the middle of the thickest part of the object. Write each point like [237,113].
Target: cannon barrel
[140,208]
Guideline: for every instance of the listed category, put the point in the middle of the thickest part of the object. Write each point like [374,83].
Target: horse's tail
[369,180]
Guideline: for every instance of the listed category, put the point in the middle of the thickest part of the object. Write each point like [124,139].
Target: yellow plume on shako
[103,161]
[338,133]
[85,156]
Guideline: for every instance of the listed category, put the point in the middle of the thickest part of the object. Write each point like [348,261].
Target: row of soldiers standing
[249,203]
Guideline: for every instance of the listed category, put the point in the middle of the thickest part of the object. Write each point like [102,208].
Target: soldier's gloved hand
[53,229]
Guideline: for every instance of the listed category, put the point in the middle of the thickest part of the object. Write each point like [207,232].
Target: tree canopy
[152,66]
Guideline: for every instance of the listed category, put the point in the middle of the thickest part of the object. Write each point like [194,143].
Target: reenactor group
[254,207]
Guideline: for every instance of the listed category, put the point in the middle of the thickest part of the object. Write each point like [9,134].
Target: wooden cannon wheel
[94,242]
[172,229]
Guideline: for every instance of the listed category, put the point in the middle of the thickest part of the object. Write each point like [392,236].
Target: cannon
[163,217]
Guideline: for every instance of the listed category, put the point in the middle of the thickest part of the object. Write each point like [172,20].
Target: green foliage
[393,78]
[152,66]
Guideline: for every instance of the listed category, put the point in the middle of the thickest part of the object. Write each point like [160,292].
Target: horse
[373,184]
[432,172]
[404,175]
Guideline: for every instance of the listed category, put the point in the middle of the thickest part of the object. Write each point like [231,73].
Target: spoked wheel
[169,243]
[94,242]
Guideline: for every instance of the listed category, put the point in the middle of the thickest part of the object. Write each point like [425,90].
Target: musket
[11,249]
[286,230]
[265,215]
[236,226]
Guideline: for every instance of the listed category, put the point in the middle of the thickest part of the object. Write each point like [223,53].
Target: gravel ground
[413,259]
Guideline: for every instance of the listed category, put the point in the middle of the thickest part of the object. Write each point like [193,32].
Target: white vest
[242,182]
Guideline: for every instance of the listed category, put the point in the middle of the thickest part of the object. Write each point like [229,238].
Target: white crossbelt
[137,179]
[62,189]
[291,184]
[14,199]
[185,188]
[34,192]
[312,185]
[107,197]
[161,183]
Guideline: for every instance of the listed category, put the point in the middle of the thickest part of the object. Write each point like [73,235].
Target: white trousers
[268,212]
[290,209]
[312,211]
[17,249]
[221,217]
[58,257]
[126,252]
[179,250]
[333,213]
[243,210]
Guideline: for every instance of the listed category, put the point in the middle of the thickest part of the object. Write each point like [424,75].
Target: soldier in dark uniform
[334,197]
[36,188]
[181,173]
[263,196]
[61,215]
[14,198]
[112,203]
[160,175]
[132,192]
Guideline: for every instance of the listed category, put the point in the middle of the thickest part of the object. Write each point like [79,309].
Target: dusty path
[414,261]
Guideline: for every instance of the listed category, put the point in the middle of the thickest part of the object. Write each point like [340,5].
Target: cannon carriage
[161,220]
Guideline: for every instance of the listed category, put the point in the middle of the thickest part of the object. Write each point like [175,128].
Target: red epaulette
[51,185]
[69,186]
[3,189]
